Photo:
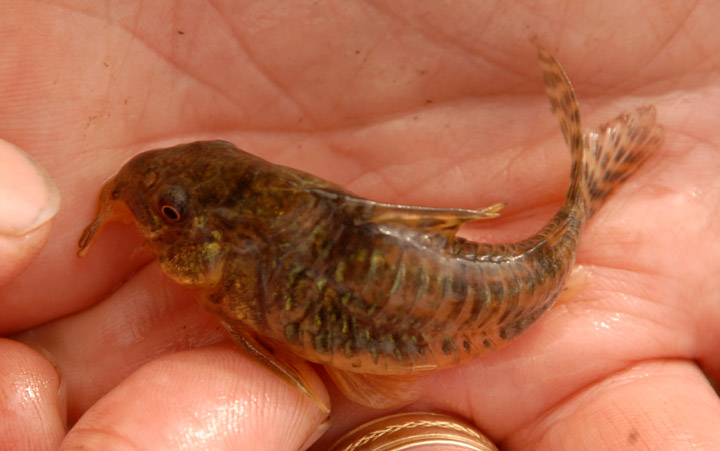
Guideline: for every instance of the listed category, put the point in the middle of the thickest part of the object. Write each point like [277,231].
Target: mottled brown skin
[292,263]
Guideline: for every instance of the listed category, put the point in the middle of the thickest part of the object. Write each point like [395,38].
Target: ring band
[408,431]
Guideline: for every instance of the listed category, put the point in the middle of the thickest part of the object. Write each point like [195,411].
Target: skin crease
[417,103]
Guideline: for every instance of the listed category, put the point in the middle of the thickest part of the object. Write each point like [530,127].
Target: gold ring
[408,431]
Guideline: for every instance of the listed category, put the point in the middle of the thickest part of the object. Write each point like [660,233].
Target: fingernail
[28,196]
[324,426]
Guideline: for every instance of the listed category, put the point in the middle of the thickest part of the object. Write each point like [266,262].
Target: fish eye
[173,203]
[171,213]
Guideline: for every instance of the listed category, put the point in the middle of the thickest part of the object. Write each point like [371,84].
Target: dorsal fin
[439,220]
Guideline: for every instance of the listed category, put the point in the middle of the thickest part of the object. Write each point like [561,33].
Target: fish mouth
[110,209]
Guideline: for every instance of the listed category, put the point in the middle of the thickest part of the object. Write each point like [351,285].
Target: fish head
[176,196]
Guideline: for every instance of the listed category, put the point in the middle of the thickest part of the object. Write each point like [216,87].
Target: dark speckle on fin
[601,160]
[562,98]
[616,150]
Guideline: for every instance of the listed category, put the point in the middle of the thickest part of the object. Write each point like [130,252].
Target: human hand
[409,103]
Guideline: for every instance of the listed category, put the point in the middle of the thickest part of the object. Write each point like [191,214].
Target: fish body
[297,267]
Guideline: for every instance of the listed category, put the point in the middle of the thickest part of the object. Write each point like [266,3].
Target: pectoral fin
[378,392]
[287,367]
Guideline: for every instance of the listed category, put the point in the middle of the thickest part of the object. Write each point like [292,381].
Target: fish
[300,271]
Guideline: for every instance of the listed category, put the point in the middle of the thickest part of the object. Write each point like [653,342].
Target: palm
[417,114]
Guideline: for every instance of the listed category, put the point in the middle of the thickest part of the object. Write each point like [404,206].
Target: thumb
[29,201]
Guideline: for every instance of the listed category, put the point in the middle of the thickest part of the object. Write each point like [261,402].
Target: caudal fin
[615,151]
[603,159]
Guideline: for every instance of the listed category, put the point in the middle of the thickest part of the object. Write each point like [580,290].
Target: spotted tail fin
[564,105]
[601,159]
[615,151]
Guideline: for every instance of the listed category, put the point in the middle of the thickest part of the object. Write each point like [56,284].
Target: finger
[29,201]
[147,317]
[654,405]
[31,408]
[210,398]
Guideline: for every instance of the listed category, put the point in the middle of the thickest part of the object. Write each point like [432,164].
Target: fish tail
[603,159]
[615,151]
[567,112]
